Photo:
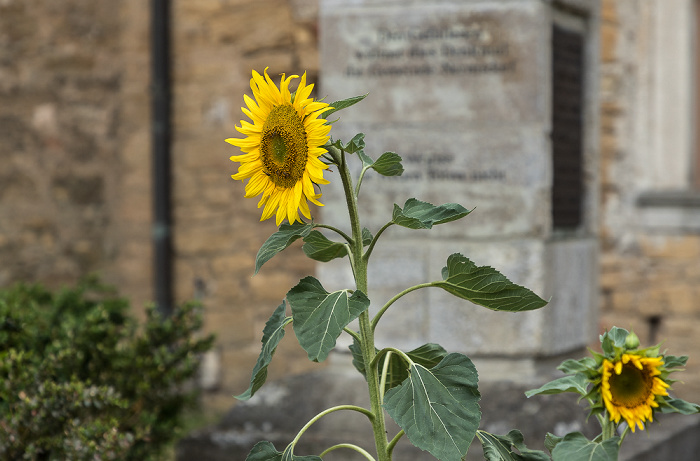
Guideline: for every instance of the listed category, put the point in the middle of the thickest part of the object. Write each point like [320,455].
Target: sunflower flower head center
[632,387]
[283,146]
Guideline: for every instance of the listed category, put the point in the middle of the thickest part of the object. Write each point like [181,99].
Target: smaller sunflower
[631,386]
[282,147]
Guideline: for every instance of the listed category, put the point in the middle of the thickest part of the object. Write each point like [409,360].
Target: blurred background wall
[76,170]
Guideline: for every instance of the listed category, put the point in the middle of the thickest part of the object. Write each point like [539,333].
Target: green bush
[80,380]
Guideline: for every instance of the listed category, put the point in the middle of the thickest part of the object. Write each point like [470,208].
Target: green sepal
[576,447]
[485,286]
[320,316]
[577,383]
[423,215]
[438,408]
[342,104]
[280,240]
[551,441]
[272,335]
[669,405]
[319,248]
[510,447]
[266,451]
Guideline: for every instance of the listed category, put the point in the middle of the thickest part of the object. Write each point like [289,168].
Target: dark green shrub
[80,380]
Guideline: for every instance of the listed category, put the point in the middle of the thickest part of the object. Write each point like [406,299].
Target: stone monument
[490,105]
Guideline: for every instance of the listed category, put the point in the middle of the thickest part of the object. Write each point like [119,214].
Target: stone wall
[649,273]
[75,146]
[74,191]
[216,44]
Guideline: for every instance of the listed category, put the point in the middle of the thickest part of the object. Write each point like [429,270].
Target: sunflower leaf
[388,164]
[551,441]
[485,286]
[320,316]
[576,447]
[342,104]
[427,355]
[576,383]
[500,447]
[356,144]
[422,215]
[367,161]
[583,365]
[319,248]
[280,240]
[672,361]
[438,408]
[679,406]
[266,451]
[272,335]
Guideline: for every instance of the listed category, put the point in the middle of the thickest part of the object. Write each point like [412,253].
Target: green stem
[350,446]
[385,371]
[381,312]
[337,231]
[328,411]
[394,441]
[359,181]
[352,333]
[366,331]
[374,240]
[608,428]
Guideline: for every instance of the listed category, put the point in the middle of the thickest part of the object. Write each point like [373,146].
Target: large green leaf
[320,316]
[342,104]
[285,236]
[266,451]
[575,383]
[576,447]
[272,335]
[422,215]
[427,355]
[486,286]
[438,408]
[319,248]
[501,447]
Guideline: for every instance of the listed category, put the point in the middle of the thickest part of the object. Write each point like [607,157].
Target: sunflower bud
[632,341]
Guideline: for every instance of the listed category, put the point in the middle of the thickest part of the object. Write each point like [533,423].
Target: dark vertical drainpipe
[160,126]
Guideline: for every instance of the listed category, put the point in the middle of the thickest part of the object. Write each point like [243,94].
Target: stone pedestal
[462,90]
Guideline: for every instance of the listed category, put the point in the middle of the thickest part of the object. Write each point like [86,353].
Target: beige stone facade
[75,180]
[650,239]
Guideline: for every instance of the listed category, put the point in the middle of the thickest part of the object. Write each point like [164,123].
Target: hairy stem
[366,331]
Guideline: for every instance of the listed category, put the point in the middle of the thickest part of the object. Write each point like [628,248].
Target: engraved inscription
[479,47]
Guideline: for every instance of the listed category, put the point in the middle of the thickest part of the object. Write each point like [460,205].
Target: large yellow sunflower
[282,147]
[630,387]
